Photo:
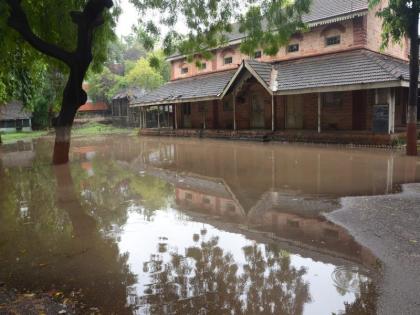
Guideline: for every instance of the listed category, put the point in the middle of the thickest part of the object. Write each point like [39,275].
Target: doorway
[294,112]
[257,112]
[186,115]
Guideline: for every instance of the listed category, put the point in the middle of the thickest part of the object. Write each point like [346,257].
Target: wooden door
[294,112]
[257,112]
[359,110]
[186,115]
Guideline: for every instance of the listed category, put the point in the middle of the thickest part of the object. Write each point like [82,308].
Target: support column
[319,112]
[234,110]
[175,115]
[158,117]
[391,102]
[273,113]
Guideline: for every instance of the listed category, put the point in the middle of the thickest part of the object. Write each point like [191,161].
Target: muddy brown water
[185,226]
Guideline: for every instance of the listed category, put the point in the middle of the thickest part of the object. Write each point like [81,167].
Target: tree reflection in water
[207,280]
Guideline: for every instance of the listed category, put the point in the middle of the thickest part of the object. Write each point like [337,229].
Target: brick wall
[360,30]
[374,27]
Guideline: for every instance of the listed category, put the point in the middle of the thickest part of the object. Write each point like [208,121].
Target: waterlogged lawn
[89,129]
[22,135]
[96,129]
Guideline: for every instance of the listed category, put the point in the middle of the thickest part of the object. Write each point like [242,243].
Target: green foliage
[25,73]
[267,24]
[144,76]
[396,19]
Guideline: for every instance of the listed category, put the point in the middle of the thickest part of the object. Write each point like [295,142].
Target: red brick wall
[360,30]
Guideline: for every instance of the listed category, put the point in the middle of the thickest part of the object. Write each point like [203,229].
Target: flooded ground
[185,226]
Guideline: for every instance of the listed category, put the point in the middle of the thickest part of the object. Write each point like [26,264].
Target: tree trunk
[73,98]
[414,81]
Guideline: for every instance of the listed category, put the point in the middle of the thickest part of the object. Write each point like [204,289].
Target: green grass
[96,129]
[89,129]
[22,135]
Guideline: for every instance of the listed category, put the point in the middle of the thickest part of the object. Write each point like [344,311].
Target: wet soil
[389,226]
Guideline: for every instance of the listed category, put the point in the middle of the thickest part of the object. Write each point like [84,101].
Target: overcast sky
[128,18]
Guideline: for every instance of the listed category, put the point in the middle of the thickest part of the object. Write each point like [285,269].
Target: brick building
[330,84]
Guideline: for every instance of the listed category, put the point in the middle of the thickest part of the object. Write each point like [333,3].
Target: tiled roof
[327,9]
[203,86]
[131,93]
[89,106]
[263,69]
[13,111]
[345,68]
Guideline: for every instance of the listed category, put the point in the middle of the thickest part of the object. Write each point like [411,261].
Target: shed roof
[89,107]
[204,87]
[13,111]
[131,93]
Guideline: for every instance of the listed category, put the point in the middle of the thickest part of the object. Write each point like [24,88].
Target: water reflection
[170,226]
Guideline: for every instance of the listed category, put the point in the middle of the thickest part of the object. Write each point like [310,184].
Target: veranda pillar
[319,111]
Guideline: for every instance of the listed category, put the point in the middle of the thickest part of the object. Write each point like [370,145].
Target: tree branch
[19,22]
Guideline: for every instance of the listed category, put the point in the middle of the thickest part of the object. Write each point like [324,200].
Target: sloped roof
[13,111]
[131,93]
[327,9]
[263,69]
[208,86]
[345,68]
[89,106]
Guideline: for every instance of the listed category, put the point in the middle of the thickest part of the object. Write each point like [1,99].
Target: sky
[128,18]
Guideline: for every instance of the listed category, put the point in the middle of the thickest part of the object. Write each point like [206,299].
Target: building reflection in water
[188,226]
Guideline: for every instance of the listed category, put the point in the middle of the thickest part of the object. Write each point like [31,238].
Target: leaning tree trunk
[78,61]
[414,83]
[73,98]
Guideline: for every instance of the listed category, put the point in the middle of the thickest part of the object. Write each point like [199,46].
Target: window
[25,123]
[333,40]
[184,70]
[123,109]
[227,60]
[203,66]
[186,109]
[115,109]
[293,48]
[206,200]
[188,196]
[333,99]
[258,54]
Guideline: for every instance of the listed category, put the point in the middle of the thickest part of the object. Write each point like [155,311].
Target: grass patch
[89,129]
[96,129]
[9,137]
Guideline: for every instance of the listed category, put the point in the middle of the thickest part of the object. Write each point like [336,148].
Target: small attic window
[184,70]
[293,48]
[228,60]
[203,66]
[258,54]
[333,40]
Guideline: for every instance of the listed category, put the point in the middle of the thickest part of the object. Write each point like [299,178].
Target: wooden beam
[234,110]
[175,115]
[319,111]
[273,113]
